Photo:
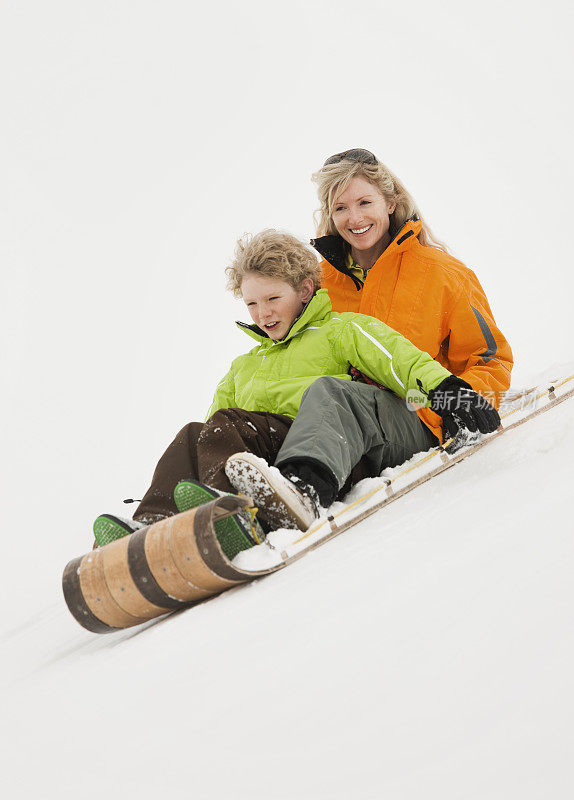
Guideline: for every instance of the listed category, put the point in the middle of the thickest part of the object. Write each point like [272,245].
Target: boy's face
[272,303]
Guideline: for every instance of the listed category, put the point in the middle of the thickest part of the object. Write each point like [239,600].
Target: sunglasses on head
[362,156]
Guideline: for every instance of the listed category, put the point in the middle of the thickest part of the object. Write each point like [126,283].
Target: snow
[429,651]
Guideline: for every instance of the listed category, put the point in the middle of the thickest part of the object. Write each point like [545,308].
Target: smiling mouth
[359,231]
[270,326]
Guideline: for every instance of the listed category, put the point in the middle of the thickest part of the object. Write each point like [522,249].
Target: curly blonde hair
[274,254]
[333,179]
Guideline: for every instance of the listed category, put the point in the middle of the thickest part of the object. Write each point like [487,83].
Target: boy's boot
[108,528]
[235,533]
[281,503]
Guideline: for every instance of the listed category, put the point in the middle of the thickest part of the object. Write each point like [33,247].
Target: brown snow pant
[200,450]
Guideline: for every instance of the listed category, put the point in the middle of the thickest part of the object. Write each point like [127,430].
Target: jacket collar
[316,309]
[335,249]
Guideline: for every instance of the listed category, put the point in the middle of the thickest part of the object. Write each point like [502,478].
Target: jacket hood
[318,307]
[335,249]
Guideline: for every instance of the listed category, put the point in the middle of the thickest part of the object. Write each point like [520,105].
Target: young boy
[265,412]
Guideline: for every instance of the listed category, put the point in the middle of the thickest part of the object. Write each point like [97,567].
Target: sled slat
[143,576]
[76,602]
[121,584]
[98,596]
[162,564]
[190,562]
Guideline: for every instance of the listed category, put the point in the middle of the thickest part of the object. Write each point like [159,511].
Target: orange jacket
[432,299]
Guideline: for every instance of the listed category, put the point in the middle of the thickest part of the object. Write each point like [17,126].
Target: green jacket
[273,376]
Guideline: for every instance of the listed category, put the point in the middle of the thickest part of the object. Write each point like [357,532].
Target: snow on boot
[235,533]
[280,502]
[108,528]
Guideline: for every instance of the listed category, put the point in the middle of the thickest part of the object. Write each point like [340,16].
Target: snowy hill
[428,652]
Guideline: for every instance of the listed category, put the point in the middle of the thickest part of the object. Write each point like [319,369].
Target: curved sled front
[170,565]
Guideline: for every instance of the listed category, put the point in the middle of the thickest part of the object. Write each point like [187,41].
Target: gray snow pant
[341,423]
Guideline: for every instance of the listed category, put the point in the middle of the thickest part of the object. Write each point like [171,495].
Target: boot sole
[253,476]
[108,528]
[229,532]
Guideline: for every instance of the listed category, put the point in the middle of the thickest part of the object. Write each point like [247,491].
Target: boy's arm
[224,394]
[387,357]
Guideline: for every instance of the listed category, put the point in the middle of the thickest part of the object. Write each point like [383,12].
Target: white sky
[140,139]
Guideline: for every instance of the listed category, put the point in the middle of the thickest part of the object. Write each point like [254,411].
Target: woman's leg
[200,450]
[345,427]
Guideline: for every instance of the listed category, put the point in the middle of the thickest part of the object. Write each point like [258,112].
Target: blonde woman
[381,259]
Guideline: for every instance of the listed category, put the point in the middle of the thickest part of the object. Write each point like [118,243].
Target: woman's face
[361,215]
[274,304]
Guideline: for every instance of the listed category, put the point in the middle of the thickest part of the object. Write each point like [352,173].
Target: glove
[460,406]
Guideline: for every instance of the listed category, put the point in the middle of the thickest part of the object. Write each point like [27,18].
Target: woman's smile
[360,231]
[361,216]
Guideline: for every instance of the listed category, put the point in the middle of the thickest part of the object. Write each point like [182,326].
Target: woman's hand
[460,406]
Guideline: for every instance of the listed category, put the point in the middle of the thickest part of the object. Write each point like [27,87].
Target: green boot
[108,528]
[234,533]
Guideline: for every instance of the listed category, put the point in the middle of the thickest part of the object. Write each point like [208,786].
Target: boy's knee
[327,385]
[231,422]
[214,426]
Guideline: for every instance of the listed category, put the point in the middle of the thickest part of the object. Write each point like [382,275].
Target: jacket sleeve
[224,394]
[476,349]
[388,358]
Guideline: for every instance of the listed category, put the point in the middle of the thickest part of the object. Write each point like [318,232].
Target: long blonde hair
[333,179]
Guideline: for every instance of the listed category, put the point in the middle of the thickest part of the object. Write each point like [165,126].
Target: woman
[381,259]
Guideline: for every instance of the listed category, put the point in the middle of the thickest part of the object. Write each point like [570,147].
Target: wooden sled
[178,562]
[170,565]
